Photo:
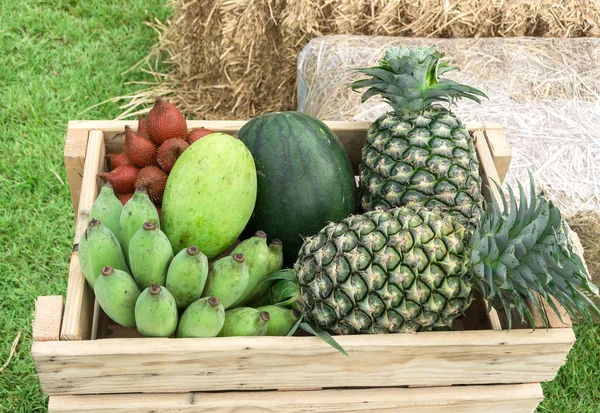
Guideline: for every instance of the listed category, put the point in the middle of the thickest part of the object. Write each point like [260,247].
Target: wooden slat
[500,151]
[256,363]
[48,317]
[79,302]
[74,156]
[118,331]
[520,398]
[554,321]
[489,175]
[117,126]
[351,134]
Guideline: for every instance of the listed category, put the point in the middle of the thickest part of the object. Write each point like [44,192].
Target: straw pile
[545,93]
[237,58]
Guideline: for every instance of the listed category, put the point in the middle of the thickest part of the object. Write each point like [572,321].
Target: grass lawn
[59,58]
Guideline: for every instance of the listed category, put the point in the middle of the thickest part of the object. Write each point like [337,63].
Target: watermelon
[304,178]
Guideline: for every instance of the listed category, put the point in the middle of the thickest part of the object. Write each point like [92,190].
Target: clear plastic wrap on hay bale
[545,92]
[235,59]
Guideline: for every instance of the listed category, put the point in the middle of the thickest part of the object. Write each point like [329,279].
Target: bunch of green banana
[245,321]
[262,260]
[138,210]
[98,247]
[186,276]
[203,318]
[150,254]
[107,209]
[117,293]
[227,279]
[156,312]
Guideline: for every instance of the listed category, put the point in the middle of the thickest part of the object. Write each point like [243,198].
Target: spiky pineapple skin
[401,270]
[418,158]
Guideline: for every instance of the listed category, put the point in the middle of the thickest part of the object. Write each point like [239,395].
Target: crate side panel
[79,301]
[74,158]
[501,152]
[48,318]
[351,134]
[256,363]
[522,398]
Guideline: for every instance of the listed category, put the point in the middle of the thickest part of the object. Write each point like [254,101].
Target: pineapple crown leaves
[410,79]
[522,253]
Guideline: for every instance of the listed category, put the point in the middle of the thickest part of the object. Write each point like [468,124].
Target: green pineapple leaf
[410,79]
[528,249]
[323,335]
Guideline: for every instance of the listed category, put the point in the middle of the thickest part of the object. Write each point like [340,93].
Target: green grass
[59,58]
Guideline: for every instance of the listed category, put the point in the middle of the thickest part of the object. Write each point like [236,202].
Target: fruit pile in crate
[402,252]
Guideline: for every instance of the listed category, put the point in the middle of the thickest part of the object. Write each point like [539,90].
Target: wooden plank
[117,126]
[118,331]
[351,134]
[48,317]
[79,303]
[516,398]
[100,322]
[74,157]
[489,175]
[255,363]
[488,172]
[500,151]
[554,321]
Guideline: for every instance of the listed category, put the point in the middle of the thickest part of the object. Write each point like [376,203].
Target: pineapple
[419,153]
[415,268]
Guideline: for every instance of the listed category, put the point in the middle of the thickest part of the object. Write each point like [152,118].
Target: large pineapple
[419,153]
[414,268]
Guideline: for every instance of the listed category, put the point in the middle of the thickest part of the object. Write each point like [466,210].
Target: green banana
[117,294]
[245,321]
[107,208]
[275,256]
[156,312]
[256,253]
[98,247]
[137,210]
[186,276]
[203,318]
[150,253]
[282,319]
[275,263]
[227,279]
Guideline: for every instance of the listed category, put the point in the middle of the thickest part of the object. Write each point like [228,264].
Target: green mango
[117,293]
[186,276]
[210,195]
[245,321]
[203,318]
[281,319]
[156,312]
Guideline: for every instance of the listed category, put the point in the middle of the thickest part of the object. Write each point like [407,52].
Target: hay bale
[237,58]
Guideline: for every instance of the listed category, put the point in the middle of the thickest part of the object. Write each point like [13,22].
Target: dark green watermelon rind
[303,183]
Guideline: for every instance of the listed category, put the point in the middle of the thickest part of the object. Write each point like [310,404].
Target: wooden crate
[86,363]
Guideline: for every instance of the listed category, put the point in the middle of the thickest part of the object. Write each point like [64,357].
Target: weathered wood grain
[48,318]
[256,363]
[521,398]
[80,298]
